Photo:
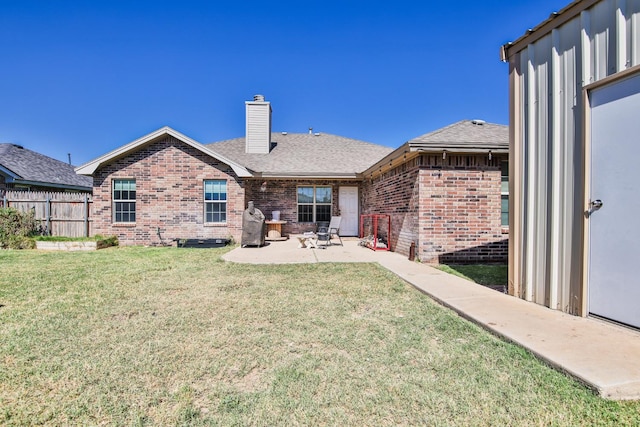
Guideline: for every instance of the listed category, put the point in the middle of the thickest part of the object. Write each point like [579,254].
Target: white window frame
[313,203]
[504,192]
[130,201]
[213,202]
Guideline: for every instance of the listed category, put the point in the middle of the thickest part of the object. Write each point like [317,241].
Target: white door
[348,205]
[614,215]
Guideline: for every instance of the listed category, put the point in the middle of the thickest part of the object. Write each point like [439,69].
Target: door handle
[594,205]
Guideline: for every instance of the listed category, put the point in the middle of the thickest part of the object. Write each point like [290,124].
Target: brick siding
[395,193]
[281,195]
[169,195]
[449,207]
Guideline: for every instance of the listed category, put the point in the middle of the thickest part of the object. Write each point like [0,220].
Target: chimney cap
[259,98]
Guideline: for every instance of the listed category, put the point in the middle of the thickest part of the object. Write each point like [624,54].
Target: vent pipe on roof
[310,131]
[69,156]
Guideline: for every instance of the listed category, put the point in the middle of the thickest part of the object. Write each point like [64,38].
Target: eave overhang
[91,167]
[51,185]
[9,174]
[410,150]
[304,175]
[555,20]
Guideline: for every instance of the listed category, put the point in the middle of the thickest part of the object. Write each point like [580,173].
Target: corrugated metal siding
[549,76]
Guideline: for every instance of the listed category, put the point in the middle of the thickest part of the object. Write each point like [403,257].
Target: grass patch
[488,275]
[159,336]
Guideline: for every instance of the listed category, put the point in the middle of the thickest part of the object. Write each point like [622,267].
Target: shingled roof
[463,137]
[466,136]
[317,155]
[23,166]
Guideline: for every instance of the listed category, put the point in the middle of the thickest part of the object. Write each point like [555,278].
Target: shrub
[105,242]
[20,242]
[16,228]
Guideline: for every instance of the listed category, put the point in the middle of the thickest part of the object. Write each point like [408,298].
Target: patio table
[308,241]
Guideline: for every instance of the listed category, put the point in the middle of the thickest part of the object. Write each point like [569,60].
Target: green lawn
[483,274]
[165,336]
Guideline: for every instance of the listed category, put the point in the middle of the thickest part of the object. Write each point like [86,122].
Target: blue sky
[85,77]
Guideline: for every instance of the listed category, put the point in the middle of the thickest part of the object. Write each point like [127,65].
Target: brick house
[446,192]
[166,181]
[166,185]
[25,170]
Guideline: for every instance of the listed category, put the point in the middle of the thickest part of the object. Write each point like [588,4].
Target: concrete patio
[604,356]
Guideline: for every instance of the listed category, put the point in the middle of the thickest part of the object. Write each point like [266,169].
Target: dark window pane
[323,213]
[305,213]
[215,212]
[505,210]
[504,177]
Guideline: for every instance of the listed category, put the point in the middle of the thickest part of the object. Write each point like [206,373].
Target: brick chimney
[258,135]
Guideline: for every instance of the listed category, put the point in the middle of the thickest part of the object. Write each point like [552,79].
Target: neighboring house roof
[90,167]
[23,166]
[463,137]
[305,155]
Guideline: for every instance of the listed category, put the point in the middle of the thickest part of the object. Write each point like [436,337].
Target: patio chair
[323,235]
[334,228]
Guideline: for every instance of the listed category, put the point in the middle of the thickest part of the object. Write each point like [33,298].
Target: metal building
[574,170]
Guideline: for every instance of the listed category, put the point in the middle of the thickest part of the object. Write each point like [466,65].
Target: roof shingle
[464,136]
[34,167]
[303,154]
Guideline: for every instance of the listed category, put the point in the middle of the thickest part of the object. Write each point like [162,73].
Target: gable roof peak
[90,167]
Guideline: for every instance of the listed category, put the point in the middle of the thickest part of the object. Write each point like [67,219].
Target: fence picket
[63,214]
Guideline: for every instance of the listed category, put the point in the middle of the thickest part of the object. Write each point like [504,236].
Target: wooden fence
[61,214]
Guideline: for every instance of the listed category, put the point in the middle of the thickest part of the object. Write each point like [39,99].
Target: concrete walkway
[604,356]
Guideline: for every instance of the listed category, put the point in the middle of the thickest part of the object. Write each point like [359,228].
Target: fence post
[47,214]
[86,216]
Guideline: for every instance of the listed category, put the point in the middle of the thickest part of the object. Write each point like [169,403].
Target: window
[314,204]
[504,193]
[124,200]
[215,200]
